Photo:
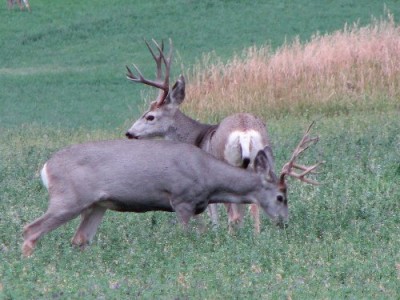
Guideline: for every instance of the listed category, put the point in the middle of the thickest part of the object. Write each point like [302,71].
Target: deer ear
[177,94]
[261,162]
[264,163]
[270,156]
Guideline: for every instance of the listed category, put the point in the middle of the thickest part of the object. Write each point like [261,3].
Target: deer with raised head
[19,2]
[235,140]
[140,176]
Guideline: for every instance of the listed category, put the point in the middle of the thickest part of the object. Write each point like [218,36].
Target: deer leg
[235,215]
[26,2]
[200,226]
[255,213]
[230,213]
[49,221]
[184,212]
[213,213]
[21,7]
[90,221]
[240,210]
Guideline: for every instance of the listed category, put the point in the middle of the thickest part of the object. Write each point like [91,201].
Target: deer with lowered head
[235,140]
[143,175]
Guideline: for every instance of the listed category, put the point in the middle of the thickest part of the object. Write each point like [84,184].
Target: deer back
[126,171]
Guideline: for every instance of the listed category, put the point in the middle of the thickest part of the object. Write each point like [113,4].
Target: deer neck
[188,130]
[236,186]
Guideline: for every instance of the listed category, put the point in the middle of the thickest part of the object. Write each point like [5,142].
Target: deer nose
[281,223]
[130,135]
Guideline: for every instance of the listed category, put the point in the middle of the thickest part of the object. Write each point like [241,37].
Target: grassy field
[62,82]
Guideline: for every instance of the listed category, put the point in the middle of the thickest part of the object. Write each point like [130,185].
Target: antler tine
[303,145]
[162,84]
[167,60]
[306,170]
[167,63]
[132,77]
[158,59]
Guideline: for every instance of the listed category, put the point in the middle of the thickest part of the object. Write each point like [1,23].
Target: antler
[287,169]
[159,83]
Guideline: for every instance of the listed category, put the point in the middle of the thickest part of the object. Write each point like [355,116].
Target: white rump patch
[45,178]
[242,144]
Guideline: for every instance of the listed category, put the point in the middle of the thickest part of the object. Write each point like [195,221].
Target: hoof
[80,241]
[27,248]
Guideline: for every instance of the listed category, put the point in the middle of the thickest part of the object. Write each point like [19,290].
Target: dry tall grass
[357,67]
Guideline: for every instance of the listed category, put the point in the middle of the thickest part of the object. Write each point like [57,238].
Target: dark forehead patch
[282,188]
[153,105]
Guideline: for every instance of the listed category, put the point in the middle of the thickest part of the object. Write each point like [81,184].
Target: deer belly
[134,206]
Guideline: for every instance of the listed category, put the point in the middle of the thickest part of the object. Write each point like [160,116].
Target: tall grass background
[355,68]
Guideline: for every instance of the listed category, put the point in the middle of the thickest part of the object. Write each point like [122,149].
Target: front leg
[235,216]
[255,212]
[184,211]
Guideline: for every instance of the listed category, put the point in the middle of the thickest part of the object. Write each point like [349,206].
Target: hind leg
[46,223]
[90,221]
[26,2]
[21,7]
[212,210]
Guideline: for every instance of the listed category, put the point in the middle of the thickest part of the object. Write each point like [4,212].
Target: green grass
[342,240]
[62,82]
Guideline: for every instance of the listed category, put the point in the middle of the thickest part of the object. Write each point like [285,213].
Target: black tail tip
[245,162]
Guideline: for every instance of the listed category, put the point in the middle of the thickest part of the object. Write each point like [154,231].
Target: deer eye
[279,198]
[150,118]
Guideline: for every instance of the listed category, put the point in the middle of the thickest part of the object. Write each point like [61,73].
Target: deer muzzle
[131,136]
